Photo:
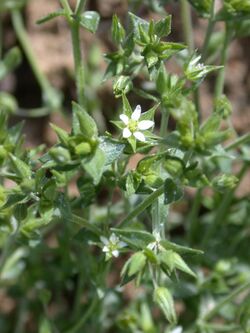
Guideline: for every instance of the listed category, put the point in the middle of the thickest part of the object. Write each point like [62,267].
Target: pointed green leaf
[63,136]
[20,167]
[90,20]
[111,149]
[117,30]
[95,165]
[162,28]
[172,191]
[179,248]
[82,122]
[135,238]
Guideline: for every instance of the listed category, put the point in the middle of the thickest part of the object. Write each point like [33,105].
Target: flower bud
[122,85]
[173,167]
[83,149]
[224,182]
[60,155]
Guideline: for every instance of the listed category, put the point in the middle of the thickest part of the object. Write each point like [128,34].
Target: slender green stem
[209,32]
[85,317]
[79,67]
[1,37]
[164,123]
[51,96]
[66,6]
[73,20]
[219,87]
[79,7]
[8,246]
[22,312]
[238,142]
[192,220]
[225,300]
[142,206]
[187,25]
[189,40]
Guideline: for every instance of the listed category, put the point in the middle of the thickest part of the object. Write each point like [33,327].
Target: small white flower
[156,244]
[178,329]
[112,246]
[134,126]
[196,70]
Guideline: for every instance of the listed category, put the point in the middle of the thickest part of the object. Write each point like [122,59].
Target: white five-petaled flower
[134,126]
[196,68]
[156,244]
[112,245]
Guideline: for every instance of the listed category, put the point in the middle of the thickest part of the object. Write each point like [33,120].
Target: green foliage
[59,251]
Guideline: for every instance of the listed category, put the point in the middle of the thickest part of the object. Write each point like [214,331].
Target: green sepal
[162,28]
[20,167]
[117,30]
[63,136]
[83,123]
[164,300]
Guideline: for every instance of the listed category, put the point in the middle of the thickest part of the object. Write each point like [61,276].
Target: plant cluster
[191,271]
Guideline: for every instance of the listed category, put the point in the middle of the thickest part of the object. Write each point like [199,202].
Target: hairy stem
[79,67]
[238,142]
[79,7]
[219,87]
[192,220]
[209,31]
[187,25]
[85,317]
[142,206]
[66,6]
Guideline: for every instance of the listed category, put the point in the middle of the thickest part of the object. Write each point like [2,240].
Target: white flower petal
[104,240]
[121,244]
[139,136]
[126,133]
[178,329]
[113,238]
[145,124]
[105,249]
[151,246]
[195,60]
[137,113]
[115,253]
[124,118]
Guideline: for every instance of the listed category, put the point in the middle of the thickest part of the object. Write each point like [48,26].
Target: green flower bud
[224,182]
[173,167]
[223,107]
[152,179]
[60,155]
[83,149]
[122,85]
